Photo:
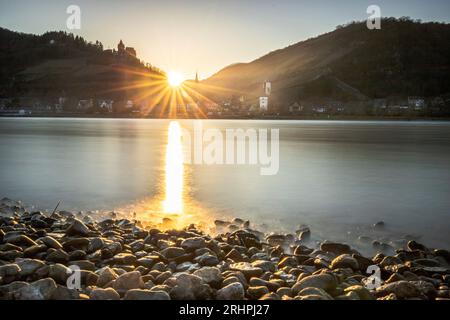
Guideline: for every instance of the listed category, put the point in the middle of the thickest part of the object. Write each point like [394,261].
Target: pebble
[326,282]
[77,228]
[104,294]
[233,291]
[128,281]
[345,261]
[39,290]
[140,294]
[119,259]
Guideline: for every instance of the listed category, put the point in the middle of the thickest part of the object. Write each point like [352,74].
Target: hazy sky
[186,35]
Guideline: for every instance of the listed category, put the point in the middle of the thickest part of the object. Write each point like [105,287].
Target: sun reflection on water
[173,207]
[173,202]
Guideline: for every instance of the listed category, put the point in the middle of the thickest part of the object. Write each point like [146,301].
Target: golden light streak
[165,94]
[173,202]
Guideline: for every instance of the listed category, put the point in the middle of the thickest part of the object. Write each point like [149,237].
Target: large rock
[59,272]
[235,255]
[64,293]
[247,269]
[326,282]
[57,255]
[172,252]
[426,288]
[233,291]
[266,266]
[9,270]
[104,294]
[288,262]
[18,239]
[257,292]
[361,291]
[106,275]
[50,242]
[194,243]
[128,281]
[29,266]
[310,291]
[76,244]
[344,261]
[188,287]
[95,244]
[138,294]
[40,290]
[77,228]
[207,260]
[32,251]
[210,275]
[401,289]
[334,247]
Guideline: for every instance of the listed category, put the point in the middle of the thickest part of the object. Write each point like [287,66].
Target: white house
[263,103]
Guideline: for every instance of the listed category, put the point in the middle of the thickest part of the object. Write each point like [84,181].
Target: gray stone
[139,294]
[207,260]
[326,282]
[104,294]
[233,291]
[9,270]
[58,255]
[266,266]
[59,273]
[77,228]
[401,289]
[32,251]
[29,266]
[188,287]
[210,275]
[128,281]
[247,269]
[336,248]
[50,242]
[309,291]
[40,290]
[361,291]
[344,261]
[64,293]
[106,275]
[257,292]
[192,244]
[172,252]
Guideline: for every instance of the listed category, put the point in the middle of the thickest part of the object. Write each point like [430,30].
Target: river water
[338,177]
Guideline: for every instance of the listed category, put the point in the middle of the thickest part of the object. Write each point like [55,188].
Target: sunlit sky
[205,35]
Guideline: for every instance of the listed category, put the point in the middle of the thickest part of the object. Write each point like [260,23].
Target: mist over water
[335,176]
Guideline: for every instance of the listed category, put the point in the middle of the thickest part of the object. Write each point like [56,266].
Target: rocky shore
[121,258]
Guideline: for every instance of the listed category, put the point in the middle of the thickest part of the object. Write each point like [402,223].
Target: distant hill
[58,62]
[404,58]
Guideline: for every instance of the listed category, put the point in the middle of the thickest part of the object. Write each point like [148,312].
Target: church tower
[121,47]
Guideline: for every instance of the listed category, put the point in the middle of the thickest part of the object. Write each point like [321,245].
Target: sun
[175,79]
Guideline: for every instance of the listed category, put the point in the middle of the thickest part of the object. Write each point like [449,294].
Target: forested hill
[404,58]
[61,62]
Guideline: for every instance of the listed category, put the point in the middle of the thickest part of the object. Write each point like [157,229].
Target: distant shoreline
[319,118]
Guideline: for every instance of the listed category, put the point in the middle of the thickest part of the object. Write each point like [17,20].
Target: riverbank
[117,258]
[236,117]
